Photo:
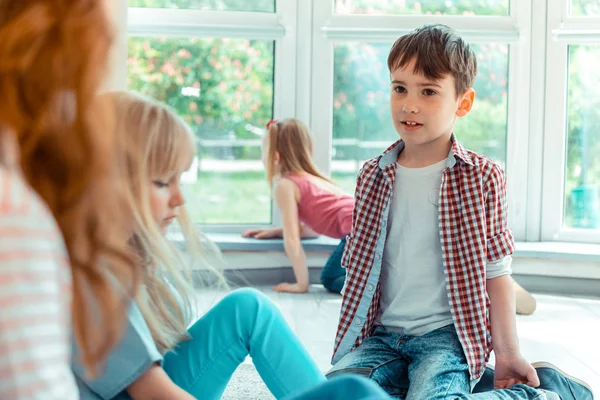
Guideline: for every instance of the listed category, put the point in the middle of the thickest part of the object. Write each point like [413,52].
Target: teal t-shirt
[134,355]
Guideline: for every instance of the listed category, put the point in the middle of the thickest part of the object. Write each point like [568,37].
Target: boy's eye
[429,92]
[161,184]
[400,89]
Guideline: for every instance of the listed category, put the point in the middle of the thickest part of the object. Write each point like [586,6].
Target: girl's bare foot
[526,304]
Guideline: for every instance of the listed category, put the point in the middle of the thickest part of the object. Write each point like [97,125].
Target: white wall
[117,64]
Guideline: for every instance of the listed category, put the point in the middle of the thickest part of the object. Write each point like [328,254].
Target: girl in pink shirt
[310,203]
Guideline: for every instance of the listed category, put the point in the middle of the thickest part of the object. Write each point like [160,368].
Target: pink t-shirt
[326,213]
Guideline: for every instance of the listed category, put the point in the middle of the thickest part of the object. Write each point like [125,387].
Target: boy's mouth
[411,123]
[411,126]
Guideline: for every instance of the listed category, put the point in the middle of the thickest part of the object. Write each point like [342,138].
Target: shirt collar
[390,156]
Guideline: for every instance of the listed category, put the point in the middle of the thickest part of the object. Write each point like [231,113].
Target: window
[350,60]
[582,177]
[571,205]
[229,66]
[427,7]
[584,8]
[223,88]
[223,5]
[220,64]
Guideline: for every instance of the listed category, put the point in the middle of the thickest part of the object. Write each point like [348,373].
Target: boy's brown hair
[437,50]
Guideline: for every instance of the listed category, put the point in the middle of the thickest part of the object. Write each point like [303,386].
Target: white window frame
[117,63]
[304,32]
[562,31]
[514,30]
[280,27]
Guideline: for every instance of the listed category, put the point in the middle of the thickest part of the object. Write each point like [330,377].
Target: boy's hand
[514,370]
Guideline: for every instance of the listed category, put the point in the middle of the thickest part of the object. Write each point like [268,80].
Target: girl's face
[165,199]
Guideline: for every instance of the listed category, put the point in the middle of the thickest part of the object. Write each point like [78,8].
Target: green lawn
[243,198]
[238,197]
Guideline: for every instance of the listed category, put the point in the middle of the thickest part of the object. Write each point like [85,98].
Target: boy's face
[423,110]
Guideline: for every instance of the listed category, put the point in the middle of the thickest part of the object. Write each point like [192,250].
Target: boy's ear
[466,102]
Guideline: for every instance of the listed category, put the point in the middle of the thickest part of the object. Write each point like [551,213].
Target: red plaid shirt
[473,231]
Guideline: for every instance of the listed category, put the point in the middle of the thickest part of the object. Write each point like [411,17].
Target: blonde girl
[160,357]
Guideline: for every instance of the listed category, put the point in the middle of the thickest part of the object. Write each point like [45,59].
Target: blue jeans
[434,364]
[244,323]
[346,387]
[550,380]
[333,275]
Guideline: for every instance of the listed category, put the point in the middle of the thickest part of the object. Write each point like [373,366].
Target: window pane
[223,88]
[585,8]
[225,5]
[582,204]
[436,7]
[362,125]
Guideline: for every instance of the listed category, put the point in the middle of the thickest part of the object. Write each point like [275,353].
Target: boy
[429,256]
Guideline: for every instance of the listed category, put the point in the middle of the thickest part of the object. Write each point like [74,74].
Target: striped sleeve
[35,299]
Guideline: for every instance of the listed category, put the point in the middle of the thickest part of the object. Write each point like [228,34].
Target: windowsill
[548,250]
[235,242]
[546,267]
[558,250]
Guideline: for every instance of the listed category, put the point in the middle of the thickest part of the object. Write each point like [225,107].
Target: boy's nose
[410,108]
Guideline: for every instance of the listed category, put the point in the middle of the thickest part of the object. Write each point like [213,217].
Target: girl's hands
[276,233]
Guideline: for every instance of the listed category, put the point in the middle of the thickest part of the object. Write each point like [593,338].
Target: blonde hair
[52,61]
[290,139]
[165,144]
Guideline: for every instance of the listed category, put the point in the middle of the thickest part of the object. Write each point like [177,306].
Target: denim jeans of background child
[244,323]
[438,368]
[333,275]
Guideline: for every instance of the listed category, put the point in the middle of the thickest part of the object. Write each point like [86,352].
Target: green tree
[219,86]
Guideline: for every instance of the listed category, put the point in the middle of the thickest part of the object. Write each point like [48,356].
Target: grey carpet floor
[246,384]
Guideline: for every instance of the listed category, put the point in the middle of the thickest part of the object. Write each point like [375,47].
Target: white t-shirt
[414,297]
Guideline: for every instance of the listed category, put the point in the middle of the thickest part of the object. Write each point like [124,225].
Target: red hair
[52,61]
